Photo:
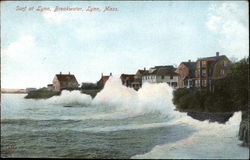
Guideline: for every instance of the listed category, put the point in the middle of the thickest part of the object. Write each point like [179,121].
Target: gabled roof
[163,70]
[104,79]
[142,71]
[166,71]
[66,78]
[214,58]
[191,66]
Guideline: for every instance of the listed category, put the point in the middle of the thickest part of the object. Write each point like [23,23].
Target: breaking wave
[118,101]
[70,98]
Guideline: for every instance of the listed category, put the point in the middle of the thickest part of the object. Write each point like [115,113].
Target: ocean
[118,123]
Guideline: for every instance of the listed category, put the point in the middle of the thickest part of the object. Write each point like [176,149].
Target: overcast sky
[37,45]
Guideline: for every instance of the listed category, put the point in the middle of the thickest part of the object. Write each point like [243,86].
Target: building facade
[186,72]
[137,83]
[161,74]
[65,81]
[127,79]
[210,69]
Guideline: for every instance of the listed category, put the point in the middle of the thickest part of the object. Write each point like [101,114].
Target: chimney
[60,73]
[110,74]
[189,60]
[102,74]
[144,68]
[217,54]
[69,73]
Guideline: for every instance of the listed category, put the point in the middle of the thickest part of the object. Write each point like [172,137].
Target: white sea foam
[70,98]
[116,101]
[212,140]
[126,102]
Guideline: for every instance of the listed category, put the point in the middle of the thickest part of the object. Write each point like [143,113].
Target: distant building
[103,80]
[50,87]
[161,74]
[137,83]
[186,72]
[65,81]
[210,69]
[127,79]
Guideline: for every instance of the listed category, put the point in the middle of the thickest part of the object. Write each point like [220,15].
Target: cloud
[229,22]
[20,47]
[213,22]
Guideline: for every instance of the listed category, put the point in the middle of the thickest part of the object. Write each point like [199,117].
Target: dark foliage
[89,86]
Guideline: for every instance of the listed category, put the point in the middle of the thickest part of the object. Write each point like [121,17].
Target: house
[65,81]
[50,87]
[127,79]
[103,80]
[186,72]
[210,69]
[161,74]
[137,83]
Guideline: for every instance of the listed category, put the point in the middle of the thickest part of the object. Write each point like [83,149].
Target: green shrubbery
[42,94]
[91,92]
[230,94]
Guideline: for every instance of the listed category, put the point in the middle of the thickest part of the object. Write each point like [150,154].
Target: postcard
[125,79]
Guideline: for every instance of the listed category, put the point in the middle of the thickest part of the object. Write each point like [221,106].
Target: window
[190,82]
[174,84]
[197,73]
[204,83]
[197,83]
[222,72]
[198,64]
[162,77]
[203,63]
[204,72]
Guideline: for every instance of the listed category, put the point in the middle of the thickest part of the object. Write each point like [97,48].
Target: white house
[161,74]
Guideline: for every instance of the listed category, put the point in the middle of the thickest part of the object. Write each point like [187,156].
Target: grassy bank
[42,94]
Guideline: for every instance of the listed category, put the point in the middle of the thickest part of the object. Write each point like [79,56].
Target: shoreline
[220,117]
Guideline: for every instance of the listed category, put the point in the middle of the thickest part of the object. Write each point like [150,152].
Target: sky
[36,45]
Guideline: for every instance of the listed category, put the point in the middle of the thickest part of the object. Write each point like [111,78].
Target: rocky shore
[220,117]
[244,129]
[223,117]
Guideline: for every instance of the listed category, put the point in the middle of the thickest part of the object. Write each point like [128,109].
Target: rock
[244,129]
[220,117]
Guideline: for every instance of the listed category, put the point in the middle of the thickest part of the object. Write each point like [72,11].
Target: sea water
[118,123]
